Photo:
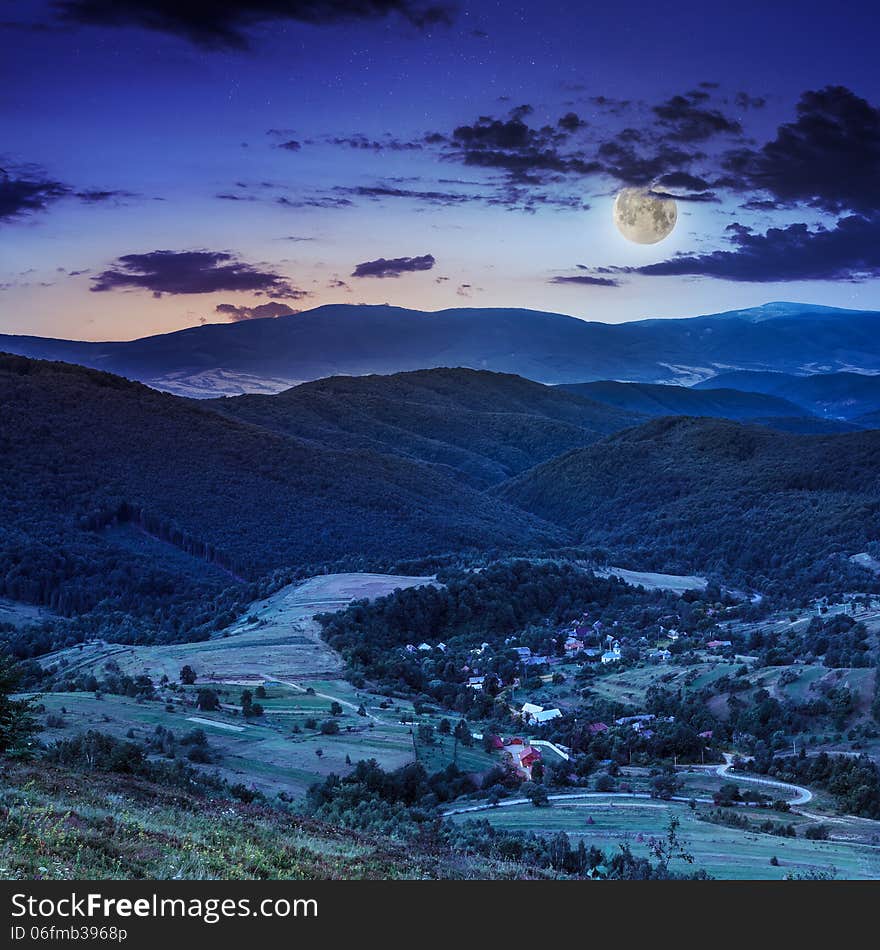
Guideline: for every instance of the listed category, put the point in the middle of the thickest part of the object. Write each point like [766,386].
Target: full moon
[642,217]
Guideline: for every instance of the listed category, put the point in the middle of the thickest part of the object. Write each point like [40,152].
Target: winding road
[798,794]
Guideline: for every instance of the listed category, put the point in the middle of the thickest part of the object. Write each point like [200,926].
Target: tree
[208,700]
[425,733]
[670,847]
[187,675]
[604,783]
[249,708]
[17,723]
[329,727]
[538,796]
[463,733]
[335,708]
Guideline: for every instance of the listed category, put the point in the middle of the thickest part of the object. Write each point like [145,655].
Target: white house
[546,715]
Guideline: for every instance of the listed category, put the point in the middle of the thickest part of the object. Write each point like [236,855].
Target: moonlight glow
[642,217]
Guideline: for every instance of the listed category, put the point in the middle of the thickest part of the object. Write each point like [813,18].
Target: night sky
[169,163]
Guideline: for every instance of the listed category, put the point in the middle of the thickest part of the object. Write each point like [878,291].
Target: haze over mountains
[269,355]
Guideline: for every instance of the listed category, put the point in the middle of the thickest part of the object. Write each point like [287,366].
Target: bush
[604,783]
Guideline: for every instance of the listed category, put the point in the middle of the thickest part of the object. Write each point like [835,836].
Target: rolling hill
[653,399]
[834,395]
[118,496]
[270,355]
[683,493]
[657,399]
[486,426]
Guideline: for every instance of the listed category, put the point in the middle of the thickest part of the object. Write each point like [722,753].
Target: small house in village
[532,713]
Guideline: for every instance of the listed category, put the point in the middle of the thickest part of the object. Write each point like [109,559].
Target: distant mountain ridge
[269,355]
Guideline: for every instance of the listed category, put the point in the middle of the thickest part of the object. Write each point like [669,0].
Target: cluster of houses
[425,648]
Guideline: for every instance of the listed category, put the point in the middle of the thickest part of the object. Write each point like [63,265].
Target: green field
[281,751]
[722,852]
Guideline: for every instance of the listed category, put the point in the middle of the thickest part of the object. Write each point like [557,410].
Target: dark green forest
[772,510]
[151,517]
[85,453]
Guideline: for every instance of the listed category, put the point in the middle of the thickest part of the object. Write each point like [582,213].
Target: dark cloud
[28,190]
[364,143]
[571,122]
[610,104]
[675,146]
[429,196]
[585,279]
[684,181]
[97,196]
[849,251]
[829,157]
[533,155]
[624,159]
[226,24]
[261,311]
[291,145]
[745,101]
[192,272]
[315,201]
[525,153]
[685,118]
[25,193]
[394,267]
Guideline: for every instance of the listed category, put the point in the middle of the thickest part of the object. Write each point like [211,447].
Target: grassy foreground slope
[69,825]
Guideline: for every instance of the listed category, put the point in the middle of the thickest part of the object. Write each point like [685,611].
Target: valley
[378,601]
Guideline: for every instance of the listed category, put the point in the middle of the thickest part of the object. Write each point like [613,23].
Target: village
[581,647]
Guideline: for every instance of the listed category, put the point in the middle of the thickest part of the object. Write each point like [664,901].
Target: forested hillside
[837,395]
[487,426]
[654,399]
[92,464]
[715,496]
